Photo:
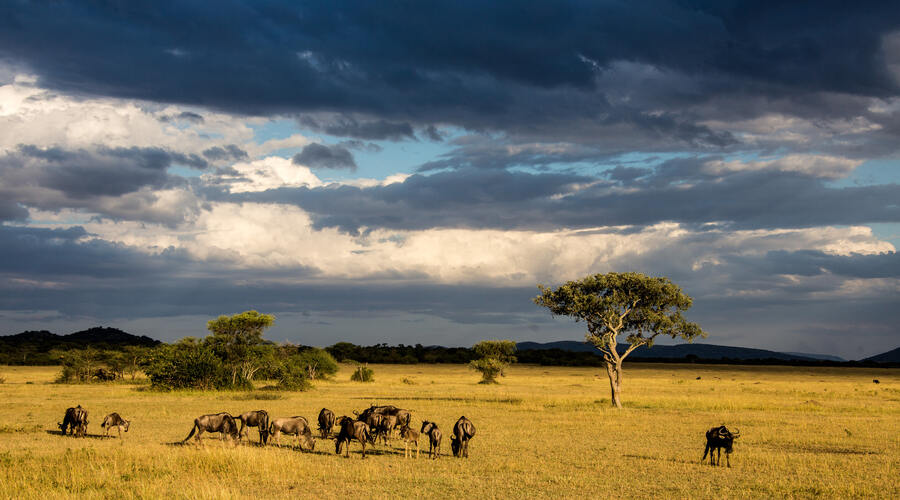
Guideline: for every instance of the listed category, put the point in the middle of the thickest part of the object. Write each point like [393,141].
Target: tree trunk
[614,371]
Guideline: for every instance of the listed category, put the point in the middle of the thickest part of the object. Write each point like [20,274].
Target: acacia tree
[496,355]
[237,341]
[637,306]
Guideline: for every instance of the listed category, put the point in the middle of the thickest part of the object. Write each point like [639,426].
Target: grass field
[545,432]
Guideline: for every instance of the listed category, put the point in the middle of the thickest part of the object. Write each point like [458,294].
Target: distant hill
[823,357]
[886,357]
[33,347]
[700,351]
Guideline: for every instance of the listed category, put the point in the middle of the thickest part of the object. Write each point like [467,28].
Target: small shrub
[409,381]
[363,374]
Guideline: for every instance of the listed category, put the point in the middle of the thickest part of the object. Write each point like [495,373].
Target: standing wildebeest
[404,417]
[409,435]
[218,422]
[75,420]
[375,421]
[293,426]
[114,420]
[326,422]
[258,419]
[716,439]
[434,438]
[463,431]
[351,429]
[385,427]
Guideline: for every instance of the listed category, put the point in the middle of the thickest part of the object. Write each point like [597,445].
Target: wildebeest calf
[293,426]
[716,439]
[216,422]
[409,435]
[385,427]
[258,419]
[434,434]
[351,429]
[114,420]
[326,422]
[463,431]
[75,420]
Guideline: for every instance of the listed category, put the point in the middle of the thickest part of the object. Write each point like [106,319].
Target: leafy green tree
[495,358]
[237,341]
[637,306]
[134,356]
[186,364]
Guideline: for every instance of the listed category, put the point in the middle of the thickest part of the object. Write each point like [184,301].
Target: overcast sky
[406,172]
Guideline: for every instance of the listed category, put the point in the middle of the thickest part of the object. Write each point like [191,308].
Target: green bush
[363,373]
[186,365]
[291,374]
[319,364]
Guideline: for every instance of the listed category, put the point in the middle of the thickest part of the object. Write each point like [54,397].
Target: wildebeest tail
[193,430]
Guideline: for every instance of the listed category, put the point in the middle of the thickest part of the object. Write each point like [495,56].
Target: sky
[408,172]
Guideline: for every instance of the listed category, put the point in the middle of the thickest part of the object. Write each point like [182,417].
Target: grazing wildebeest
[114,420]
[716,439]
[409,435]
[75,420]
[258,419]
[434,438]
[876,381]
[293,426]
[351,429]
[217,422]
[463,431]
[326,422]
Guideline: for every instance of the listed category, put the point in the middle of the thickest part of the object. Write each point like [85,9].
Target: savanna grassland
[544,432]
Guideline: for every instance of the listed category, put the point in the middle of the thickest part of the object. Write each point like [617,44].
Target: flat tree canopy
[637,306]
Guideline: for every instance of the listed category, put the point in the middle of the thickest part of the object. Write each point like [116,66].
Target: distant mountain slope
[34,347]
[701,351]
[824,357]
[892,356]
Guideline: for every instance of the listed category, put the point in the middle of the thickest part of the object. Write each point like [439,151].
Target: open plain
[544,432]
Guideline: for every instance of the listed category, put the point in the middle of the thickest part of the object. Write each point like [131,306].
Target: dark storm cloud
[813,263]
[83,173]
[505,65]
[317,155]
[230,152]
[370,130]
[187,116]
[678,190]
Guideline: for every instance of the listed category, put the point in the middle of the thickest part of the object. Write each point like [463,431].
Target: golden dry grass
[544,432]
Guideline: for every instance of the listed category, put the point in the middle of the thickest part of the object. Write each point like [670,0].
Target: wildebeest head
[721,436]
[127,425]
[307,441]
[427,426]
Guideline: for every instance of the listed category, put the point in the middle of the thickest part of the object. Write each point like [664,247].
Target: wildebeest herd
[367,427]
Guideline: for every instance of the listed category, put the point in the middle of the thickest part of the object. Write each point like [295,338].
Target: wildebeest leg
[363,442]
[119,427]
[727,460]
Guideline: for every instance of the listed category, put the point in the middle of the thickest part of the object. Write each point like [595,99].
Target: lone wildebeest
[75,420]
[258,419]
[293,426]
[716,439]
[434,438]
[463,431]
[114,420]
[326,422]
[409,435]
[217,422]
[876,381]
[351,429]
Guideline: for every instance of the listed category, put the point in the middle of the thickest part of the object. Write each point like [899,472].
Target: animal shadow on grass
[91,436]
[660,459]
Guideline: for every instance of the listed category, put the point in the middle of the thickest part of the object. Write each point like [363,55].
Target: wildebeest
[75,420]
[351,429]
[876,381]
[404,417]
[258,419]
[375,421]
[716,439]
[326,422]
[409,435]
[385,427]
[434,438]
[463,431]
[114,420]
[216,422]
[293,426]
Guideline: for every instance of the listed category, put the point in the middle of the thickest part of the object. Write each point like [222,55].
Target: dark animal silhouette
[114,420]
[434,434]
[876,381]
[463,431]
[258,419]
[215,422]
[326,422]
[404,417]
[293,426]
[409,435]
[374,421]
[385,427]
[716,439]
[351,429]
[75,420]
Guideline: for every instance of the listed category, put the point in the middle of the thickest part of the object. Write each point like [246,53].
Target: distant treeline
[36,348]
